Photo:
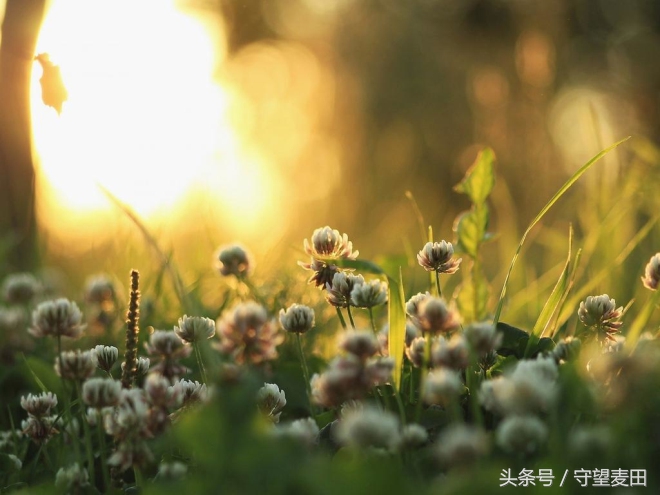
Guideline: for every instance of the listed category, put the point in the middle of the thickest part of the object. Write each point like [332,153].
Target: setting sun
[144,117]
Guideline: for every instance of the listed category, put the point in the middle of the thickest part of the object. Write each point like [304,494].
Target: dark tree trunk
[18,230]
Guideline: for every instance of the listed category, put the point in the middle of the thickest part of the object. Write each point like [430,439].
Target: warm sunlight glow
[144,118]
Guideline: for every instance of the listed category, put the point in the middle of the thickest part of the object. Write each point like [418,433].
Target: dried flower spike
[298,318]
[59,318]
[129,364]
[651,276]
[437,257]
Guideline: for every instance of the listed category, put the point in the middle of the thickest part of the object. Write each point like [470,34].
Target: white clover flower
[567,349]
[369,294]
[415,351]
[72,479]
[651,276]
[369,428]
[166,344]
[483,337]
[297,318]
[57,318]
[40,430]
[20,288]
[271,400]
[362,344]
[327,244]
[453,353]
[130,417]
[76,365]
[172,470]
[339,291]
[190,392]
[434,316]
[442,386]
[305,431]
[437,257]
[39,405]
[100,290]
[412,306]
[521,434]
[160,393]
[234,260]
[413,436]
[101,392]
[12,320]
[131,453]
[195,328]
[601,314]
[461,445]
[105,356]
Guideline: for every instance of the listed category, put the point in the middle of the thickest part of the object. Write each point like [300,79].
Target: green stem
[88,437]
[139,480]
[473,385]
[341,318]
[350,316]
[373,323]
[305,371]
[67,402]
[426,366]
[437,283]
[102,449]
[200,362]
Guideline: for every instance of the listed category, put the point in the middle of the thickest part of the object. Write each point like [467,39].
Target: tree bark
[18,229]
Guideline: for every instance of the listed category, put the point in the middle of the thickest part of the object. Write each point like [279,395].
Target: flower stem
[373,322]
[88,437]
[437,283]
[200,361]
[102,450]
[473,385]
[305,371]
[67,401]
[341,318]
[350,316]
[426,366]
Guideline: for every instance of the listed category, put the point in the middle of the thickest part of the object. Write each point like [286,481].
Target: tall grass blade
[542,213]
[397,323]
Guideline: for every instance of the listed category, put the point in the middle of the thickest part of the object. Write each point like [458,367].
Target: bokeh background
[223,121]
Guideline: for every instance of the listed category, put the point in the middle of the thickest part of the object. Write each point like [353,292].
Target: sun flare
[144,119]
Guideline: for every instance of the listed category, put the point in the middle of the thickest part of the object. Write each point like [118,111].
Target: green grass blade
[397,323]
[542,213]
[639,323]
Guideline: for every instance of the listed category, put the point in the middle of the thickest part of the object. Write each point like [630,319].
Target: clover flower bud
[101,392]
[651,276]
[105,356]
[58,318]
[442,386]
[461,445]
[271,400]
[20,288]
[234,260]
[601,314]
[521,434]
[361,344]
[195,328]
[39,405]
[339,291]
[437,257]
[369,294]
[72,479]
[297,318]
[369,428]
[76,365]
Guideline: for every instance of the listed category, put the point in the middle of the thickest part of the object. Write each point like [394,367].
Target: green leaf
[642,319]
[556,296]
[470,299]
[397,323]
[362,265]
[544,210]
[514,340]
[471,230]
[480,178]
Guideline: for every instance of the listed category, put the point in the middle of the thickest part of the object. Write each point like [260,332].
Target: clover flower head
[437,257]
[442,386]
[166,344]
[651,276]
[483,337]
[101,392]
[11,320]
[600,313]
[453,353]
[248,334]
[105,356]
[412,306]
[369,294]
[521,434]
[297,318]
[172,471]
[341,288]
[567,349]
[20,288]
[100,289]
[58,318]
[412,436]
[362,344]
[72,479]
[234,260]
[271,400]
[39,405]
[415,351]
[191,393]
[195,328]
[75,365]
[159,393]
[40,430]
[436,317]
[461,445]
[369,428]
[304,431]
[326,244]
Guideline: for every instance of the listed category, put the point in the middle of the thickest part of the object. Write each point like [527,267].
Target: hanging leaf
[480,178]
[472,301]
[53,91]
[471,230]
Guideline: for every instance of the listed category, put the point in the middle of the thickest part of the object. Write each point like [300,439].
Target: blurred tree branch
[20,29]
